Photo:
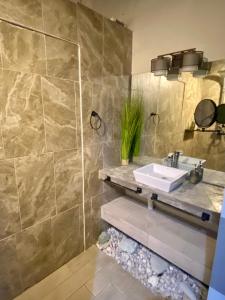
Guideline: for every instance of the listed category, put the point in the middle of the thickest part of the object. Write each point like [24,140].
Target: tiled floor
[90,276]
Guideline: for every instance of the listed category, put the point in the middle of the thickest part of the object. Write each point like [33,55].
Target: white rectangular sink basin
[160,177]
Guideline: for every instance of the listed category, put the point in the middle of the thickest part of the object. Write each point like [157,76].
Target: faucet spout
[173,158]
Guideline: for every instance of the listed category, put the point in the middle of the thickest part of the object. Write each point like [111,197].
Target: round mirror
[205,113]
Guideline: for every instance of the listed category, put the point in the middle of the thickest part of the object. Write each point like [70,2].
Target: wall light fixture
[172,64]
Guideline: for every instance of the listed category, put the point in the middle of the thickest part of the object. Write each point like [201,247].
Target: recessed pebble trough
[150,269]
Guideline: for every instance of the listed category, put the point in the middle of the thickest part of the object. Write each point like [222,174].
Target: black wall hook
[155,116]
[95,120]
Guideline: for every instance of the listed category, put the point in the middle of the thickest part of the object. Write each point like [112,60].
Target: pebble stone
[155,273]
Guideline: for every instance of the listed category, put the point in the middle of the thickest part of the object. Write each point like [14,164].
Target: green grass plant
[131,126]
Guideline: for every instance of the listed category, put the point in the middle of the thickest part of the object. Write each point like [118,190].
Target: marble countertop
[204,196]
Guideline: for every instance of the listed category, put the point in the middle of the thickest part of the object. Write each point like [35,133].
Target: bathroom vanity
[181,225]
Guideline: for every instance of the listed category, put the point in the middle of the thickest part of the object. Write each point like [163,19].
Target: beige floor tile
[73,283]
[78,262]
[111,293]
[24,296]
[134,290]
[128,285]
[97,284]
[90,276]
[44,287]
[82,294]
[94,256]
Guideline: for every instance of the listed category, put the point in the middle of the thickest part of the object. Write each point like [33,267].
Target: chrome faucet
[173,159]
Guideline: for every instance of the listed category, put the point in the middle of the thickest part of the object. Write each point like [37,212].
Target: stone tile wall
[41,194]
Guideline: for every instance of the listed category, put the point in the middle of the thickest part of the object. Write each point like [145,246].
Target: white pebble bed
[151,270]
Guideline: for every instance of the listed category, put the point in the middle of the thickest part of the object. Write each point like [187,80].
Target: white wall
[161,26]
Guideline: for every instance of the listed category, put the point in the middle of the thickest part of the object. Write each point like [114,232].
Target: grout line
[42,153]
[46,60]
[1,137]
[47,218]
[9,236]
[45,46]
[39,74]
[43,115]
[18,198]
[82,142]
[1,113]
[103,50]
[157,111]
[75,112]
[40,222]
[37,31]
[42,16]
[54,177]
[65,211]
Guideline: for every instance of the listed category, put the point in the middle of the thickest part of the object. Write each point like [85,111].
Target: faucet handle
[200,165]
[180,152]
[170,155]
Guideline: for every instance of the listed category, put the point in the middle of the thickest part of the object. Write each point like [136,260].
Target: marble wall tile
[102,102]
[88,224]
[35,180]
[68,179]
[128,40]
[22,113]
[67,238]
[60,18]
[122,82]
[118,95]
[92,185]
[2,151]
[98,224]
[10,277]
[9,208]
[28,13]
[22,50]
[218,66]
[111,157]
[117,52]
[149,86]
[62,59]
[113,48]
[59,113]
[147,145]
[90,37]
[93,162]
[118,98]
[78,116]
[117,89]
[170,120]
[41,113]
[87,107]
[35,253]
[3,9]
[93,223]
[111,192]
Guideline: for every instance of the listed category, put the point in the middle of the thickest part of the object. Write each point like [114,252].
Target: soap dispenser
[196,175]
[200,170]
